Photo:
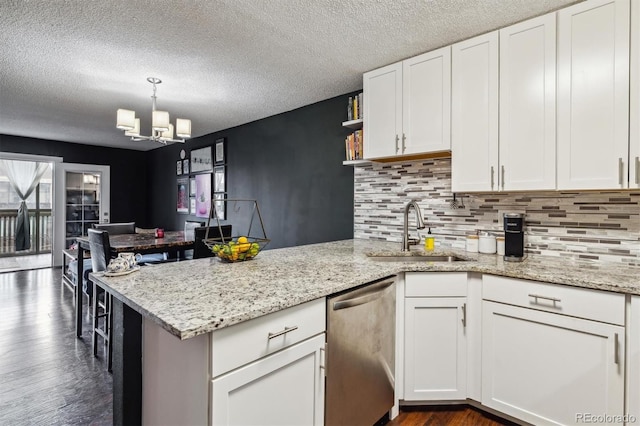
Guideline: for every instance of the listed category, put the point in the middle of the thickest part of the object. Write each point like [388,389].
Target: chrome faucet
[406,242]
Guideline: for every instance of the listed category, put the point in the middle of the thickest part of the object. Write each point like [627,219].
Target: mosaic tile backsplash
[598,225]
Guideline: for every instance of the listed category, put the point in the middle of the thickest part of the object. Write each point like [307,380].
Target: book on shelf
[354,145]
[354,107]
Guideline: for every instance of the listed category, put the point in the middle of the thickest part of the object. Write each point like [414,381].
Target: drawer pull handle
[282,332]
[537,296]
[323,358]
[397,147]
[492,177]
[616,350]
[621,171]
[464,314]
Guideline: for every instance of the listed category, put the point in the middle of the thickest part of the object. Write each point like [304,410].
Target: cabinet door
[286,388]
[82,197]
[634,147]
[474,114]
[382,111]
[426,101]
[435,348]
[528,105]
[633,375]
[593,95]
[547,368]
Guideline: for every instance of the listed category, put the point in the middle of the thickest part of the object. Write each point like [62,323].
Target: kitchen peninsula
[192,300]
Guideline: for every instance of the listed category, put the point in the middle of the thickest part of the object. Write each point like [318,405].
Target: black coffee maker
[514,237]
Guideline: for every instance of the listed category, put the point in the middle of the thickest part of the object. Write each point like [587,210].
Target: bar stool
[100,255]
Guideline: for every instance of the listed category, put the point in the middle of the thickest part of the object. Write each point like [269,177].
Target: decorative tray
[120,273]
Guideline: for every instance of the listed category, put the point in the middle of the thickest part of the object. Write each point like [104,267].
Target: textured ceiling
[67,65]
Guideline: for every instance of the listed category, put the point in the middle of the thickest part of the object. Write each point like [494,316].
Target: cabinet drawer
[577,302]
[435,284]
[248,341]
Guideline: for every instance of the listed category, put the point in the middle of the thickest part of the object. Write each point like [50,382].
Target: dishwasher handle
[374,291]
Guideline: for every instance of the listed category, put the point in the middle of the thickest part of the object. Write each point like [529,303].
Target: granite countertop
[189,298]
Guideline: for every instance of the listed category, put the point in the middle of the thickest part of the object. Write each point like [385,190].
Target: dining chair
[189,226]
[117,228]
[100,256]
[200,250]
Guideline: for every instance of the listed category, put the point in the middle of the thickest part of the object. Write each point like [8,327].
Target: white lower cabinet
[633,362]
[266,371]
[286,388]
[548,368]
[435,350]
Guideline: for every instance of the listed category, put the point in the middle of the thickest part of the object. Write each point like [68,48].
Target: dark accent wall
[291,163]
[129,185]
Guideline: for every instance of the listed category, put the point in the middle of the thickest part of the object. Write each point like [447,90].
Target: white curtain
[23,176]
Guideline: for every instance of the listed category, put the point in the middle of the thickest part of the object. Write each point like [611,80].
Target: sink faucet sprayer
[406,242]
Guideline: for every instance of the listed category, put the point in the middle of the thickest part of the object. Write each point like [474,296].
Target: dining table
[142,243]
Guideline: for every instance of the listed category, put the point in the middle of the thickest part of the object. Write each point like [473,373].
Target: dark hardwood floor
[47,376]
[446,415]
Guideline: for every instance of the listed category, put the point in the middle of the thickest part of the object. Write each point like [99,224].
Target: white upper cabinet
[382,111]
[593,95]
[426,102]
[474,114]
[407,106]
[528,105]
[634,147]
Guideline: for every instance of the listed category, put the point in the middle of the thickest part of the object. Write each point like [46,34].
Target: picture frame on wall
[219,150]
[182,205]
[185,167]
[192,187]
[201,160]
[220,206]
[179,167]
[192,206]
[203,195]
[219,184]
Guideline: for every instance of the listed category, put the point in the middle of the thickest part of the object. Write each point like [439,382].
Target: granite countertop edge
[190,298]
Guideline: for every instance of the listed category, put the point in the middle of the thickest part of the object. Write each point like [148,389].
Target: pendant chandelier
[161,128]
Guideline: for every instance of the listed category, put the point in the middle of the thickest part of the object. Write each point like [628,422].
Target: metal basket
[244,216]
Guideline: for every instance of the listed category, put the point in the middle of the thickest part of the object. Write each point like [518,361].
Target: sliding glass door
[39,205]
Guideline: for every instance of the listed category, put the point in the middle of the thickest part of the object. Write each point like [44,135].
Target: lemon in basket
[243,244]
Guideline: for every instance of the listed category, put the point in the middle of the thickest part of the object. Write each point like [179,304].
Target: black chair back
[199,249]
[100,249]
[117,228]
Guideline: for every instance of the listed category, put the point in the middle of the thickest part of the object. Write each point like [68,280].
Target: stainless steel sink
[416,258]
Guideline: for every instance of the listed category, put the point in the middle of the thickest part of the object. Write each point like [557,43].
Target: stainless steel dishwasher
[360,354]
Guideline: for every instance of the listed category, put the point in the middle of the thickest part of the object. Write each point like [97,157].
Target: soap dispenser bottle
[429,241]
